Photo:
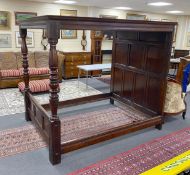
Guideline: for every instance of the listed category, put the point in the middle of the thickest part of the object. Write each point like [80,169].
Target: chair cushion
[10,73]
[42,59]
[36,71]
[8,61]
[174,101]
[31,60]
[36,85]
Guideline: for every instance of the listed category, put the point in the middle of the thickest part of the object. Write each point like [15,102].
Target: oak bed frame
[140,61]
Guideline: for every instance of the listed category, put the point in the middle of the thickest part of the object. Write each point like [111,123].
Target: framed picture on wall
[5,20]
[108,16]
[188,40]
[155,19]
[5,41]
[68,34]
[131,16]
[20,16]
[29,39]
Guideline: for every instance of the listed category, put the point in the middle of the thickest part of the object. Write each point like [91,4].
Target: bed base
[79,101]
[116,132]
[51,129]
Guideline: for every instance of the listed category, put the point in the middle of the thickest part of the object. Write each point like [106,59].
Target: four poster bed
[140,60]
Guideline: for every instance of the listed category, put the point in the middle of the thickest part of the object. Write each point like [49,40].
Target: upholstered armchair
[174,101]
[184,61]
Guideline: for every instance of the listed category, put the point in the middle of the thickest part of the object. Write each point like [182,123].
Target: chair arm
[61,58]
[174,80]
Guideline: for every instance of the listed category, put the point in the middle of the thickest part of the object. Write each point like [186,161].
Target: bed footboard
[49,127]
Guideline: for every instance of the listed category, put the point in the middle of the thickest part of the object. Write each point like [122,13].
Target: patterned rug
[143,157]
[12,101]
[73,127]
[105,78]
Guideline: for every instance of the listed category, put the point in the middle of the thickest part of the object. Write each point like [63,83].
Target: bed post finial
[55,125]
[24,51]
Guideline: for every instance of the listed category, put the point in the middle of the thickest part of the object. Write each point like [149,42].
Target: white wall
[74,44]
[96,12]
[183,31]
[41,9]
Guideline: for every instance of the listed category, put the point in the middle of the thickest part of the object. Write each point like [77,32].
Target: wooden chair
[183,63]
[174,101]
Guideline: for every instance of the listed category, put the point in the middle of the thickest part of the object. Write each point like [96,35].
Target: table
[91,67]
[175,60]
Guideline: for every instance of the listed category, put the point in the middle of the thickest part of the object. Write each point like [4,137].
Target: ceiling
[136,5]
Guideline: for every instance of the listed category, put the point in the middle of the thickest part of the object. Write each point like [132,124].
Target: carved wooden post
[55,126]
[24,51]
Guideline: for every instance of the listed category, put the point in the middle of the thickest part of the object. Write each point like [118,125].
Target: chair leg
[111,101]
[159,126]
[183,115]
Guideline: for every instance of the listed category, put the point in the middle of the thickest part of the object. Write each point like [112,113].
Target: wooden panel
[39,116]
[136,58]
[154,94]
[155,60]
[128,84]
[144,64]
[152,36]
[118,74]
[139,89]
[122,53]
[130,35]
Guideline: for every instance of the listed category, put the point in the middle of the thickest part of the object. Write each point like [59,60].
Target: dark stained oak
[24,49]
[141,55]
[79,23]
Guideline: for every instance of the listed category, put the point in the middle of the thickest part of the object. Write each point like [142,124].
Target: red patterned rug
[105,78]
[27,138]
[143,157]
[18,140]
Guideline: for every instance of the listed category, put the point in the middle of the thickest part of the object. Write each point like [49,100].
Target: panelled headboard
[140,67]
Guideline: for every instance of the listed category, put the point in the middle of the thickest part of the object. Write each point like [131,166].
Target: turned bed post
[55,125]
[24,51]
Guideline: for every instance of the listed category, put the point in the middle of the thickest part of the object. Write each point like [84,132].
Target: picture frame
[188,41]
[108,16]
[29,39]
[20,16]
[68,34]
[155,19]
[5,20]
[5,41]
[165,20]
[133,16]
